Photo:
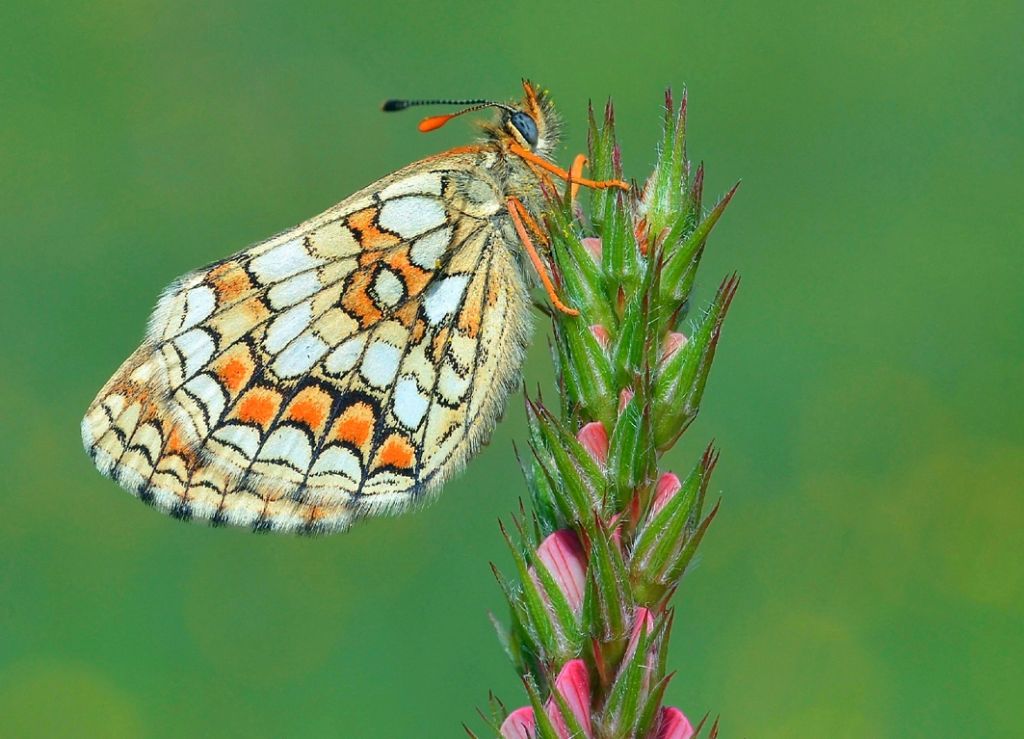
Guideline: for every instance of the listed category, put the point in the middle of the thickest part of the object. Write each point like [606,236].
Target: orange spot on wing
[439,344]
[308,413]
[364,224]
[492,295]
[415,279]
[233,374]
[396,452]
[469,320]
[258,406]
[357,301]
[230,281]
[418,329]
[355,425]
[174,442]
[255,310]
[175,448]
[407,314]
[310,407]
[235,368]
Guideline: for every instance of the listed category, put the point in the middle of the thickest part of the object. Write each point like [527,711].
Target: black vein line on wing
[342,385]
[345,381]
[222,350]
[299,496]
[449,255]
[245,257]
[488,250]
[379,435]
[131,437]
[439,276]
[164,438]
[263,290]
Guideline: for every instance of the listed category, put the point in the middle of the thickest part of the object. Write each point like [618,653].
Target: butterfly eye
[526,127]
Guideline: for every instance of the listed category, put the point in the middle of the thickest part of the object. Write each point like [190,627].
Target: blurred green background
[865,576]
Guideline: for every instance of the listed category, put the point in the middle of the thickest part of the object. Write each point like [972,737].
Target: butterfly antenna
[393,105]
[436,121]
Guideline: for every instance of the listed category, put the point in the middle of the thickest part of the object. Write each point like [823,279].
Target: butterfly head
[531,123]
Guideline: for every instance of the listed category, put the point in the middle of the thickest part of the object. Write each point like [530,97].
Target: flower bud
[624,397]
[601,334]
[563,556]
[667,486]
[573,684]
[643,622]
[594,439]
[593,245]
[520,724]
[674,725]
[673,343]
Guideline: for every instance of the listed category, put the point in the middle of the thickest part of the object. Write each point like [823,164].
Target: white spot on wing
[428,183]
[450,384]
[300,356]
[238,435]
[148,438]
[426,251]
[345,356]
[197,347]
[444,298]
[207,391]
[410,403]
[380,364]
[199,304]
[283,261]
[289,445]
[294,289]
[288,325]
[412,215]
[143,373]
[387,288]
[115,403]
[338,460]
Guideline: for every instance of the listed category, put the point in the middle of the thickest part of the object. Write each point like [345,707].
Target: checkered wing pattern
[342,369]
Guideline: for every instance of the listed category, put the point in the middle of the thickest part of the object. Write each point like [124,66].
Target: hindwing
[341,369]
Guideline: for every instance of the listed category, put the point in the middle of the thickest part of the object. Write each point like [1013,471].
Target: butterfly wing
[342,369]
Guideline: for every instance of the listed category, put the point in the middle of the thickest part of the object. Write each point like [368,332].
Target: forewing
[342,369]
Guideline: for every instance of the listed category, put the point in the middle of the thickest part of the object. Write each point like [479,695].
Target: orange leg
[516,210]
[530,222]
[542,175]
[575,175]
[557,171]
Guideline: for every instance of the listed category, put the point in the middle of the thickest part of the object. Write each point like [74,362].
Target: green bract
[621,363]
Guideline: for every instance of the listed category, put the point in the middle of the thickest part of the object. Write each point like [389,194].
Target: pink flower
[667,486]
[573,684]
[520,724]
[617,532]
[673,343]
[624,397]
[601,334]
[643,622]
[593,245]
[674,725]
[594,439]
[563,556]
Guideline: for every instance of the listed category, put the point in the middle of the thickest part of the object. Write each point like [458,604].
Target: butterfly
[351,365]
